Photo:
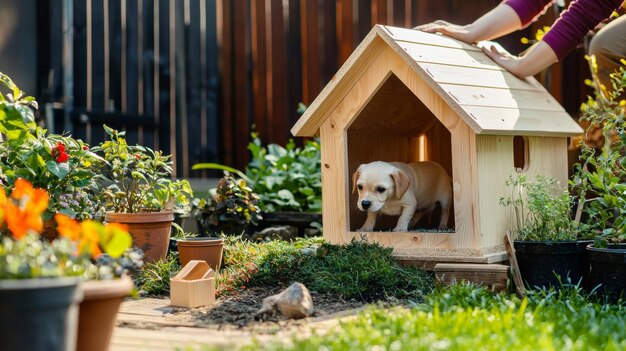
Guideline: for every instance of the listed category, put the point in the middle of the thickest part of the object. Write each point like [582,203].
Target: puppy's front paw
[401,229]
[365,229]
[442,227]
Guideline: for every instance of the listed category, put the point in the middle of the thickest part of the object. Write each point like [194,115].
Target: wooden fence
[192,77]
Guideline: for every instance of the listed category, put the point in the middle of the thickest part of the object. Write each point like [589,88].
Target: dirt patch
[238,311]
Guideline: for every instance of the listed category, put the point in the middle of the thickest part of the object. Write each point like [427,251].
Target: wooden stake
[517,277]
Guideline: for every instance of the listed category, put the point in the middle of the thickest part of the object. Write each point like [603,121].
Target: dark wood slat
[115,79]
[294,68]
[98,62]
[310,50]
[259,65]
[241,42]
[279,83]
[211,127]
[345,29]
[329,42]
[225,34]
[132,58]
[379,12]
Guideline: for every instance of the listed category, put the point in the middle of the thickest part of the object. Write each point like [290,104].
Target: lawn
[465,317]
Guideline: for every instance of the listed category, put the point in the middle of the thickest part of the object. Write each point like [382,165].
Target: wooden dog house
[407,96]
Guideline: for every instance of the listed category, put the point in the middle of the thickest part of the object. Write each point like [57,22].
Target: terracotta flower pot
[150,231]
[204,249]
[96,318]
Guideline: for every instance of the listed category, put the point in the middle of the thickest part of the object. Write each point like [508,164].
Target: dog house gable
[472,98]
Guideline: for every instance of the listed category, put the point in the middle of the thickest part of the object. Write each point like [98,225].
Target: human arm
[501,20]
[537,58]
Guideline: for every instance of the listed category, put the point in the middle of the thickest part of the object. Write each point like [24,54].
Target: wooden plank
[470,267]
[425,52]
[132,61]
[225,35]
[379,12]
[278,83]
[503,98]
[329,41]
[259,65]
[515,272]
[419,37]
[95,32]
[364,19]
[241,126]
[137,318]
[294,67]
[463,75]
[310,49]
[506,121]
[345,28]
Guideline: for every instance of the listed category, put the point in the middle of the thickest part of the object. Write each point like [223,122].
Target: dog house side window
[520,153]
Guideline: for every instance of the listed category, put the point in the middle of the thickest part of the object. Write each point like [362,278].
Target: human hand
[456,31]
[507,61]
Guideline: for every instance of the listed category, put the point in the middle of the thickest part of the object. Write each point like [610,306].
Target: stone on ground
[293,303]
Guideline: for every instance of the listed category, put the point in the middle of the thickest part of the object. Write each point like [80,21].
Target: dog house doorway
[395,126]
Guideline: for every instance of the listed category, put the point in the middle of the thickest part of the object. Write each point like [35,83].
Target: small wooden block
[494,276]
[193,286]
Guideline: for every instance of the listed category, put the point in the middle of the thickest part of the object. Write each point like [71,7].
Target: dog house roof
[487,97]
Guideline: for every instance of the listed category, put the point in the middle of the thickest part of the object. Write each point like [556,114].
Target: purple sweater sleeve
[568,31]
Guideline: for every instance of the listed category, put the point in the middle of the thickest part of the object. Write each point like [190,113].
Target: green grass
[464,317]
[357,270]
[154,278]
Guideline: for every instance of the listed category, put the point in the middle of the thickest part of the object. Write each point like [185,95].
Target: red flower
[137,156]
[60,147]
[59,153]
[85,147]
[63,157]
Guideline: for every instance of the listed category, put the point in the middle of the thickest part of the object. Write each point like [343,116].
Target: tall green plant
[600,176]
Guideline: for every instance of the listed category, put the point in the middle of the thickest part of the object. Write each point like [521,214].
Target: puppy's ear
[355,178]
[402,182]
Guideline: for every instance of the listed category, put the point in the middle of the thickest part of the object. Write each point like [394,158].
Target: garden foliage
[600,177]
[540,209]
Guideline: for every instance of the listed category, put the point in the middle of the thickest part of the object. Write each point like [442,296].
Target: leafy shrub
[230,208]
[540,209]
[600,177]
[286,178]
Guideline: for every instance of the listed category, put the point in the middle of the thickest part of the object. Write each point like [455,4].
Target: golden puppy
[409,190]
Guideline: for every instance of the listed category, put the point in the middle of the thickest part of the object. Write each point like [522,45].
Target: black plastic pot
[552,263]
[39,314]
[608,271]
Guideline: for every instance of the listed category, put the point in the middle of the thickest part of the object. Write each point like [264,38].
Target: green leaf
[60,170]
[119,242]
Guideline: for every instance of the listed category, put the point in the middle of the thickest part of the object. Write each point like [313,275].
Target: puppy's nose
[366,204]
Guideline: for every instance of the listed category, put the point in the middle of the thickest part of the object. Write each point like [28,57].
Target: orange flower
[85,233]
[20,221]
[90,239]
[67,227]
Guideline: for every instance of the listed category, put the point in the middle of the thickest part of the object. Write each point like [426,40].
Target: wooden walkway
[151,324]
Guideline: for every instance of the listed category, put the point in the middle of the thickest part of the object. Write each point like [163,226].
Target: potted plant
[229,208]
[137,189]
[58,163]
[39,279]
[546,245]
[600,180]
[287,180]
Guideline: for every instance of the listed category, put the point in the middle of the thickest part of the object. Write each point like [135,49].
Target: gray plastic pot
[39,314]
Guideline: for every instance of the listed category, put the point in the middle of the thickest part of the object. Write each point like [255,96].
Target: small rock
[293,303]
